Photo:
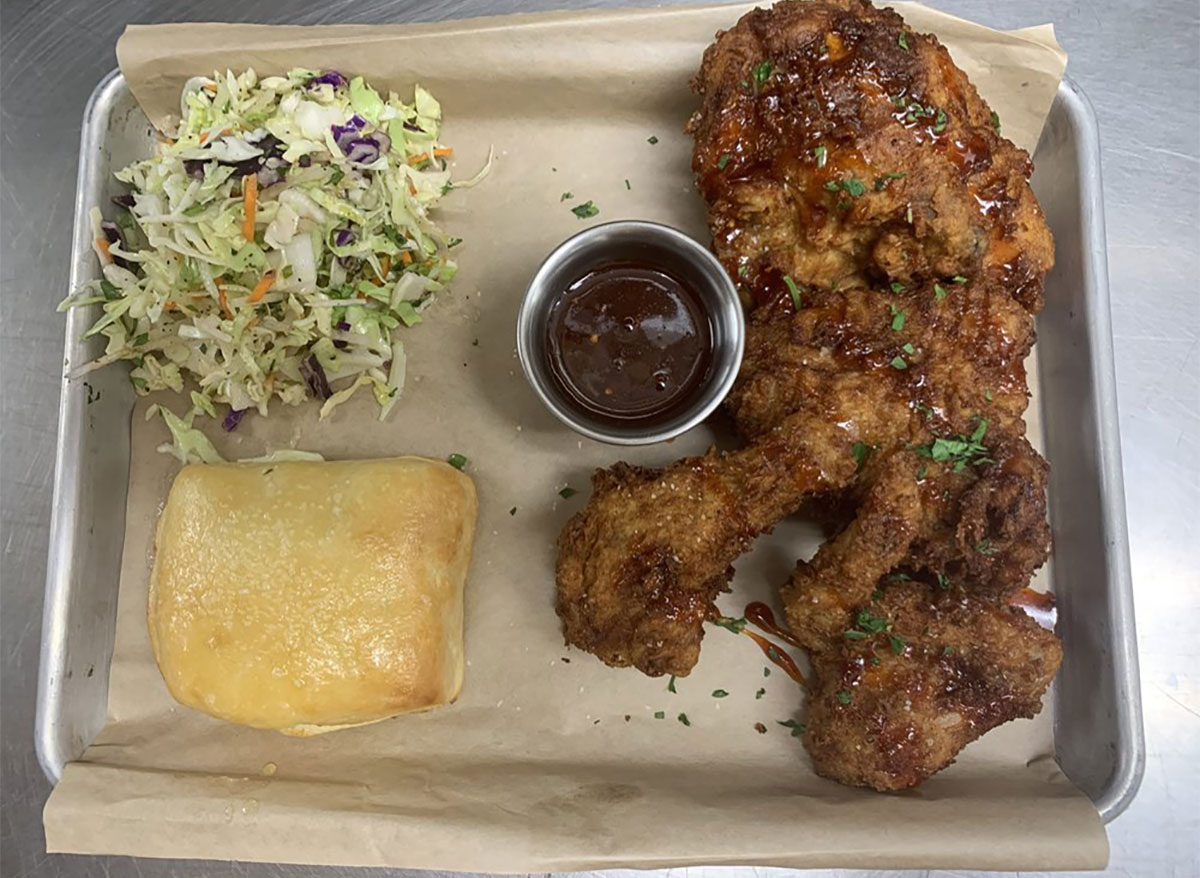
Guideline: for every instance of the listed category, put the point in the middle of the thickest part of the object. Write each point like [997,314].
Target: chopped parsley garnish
[683,719]
[458,461]
[939,292]
[627,186]
[958,279]
[985,547]
[871,623]
[730,624]
[996,121]
[743,270]
[899,363]
[899,577]
[876,595]
[660,714]
[766,672]
[843,697]
[881,182]
[897,643]
[567,493]
[513,511]
[723,161]
[987,394]
[745,83]
[797,728]
[142,339]
[852,187]
[949,650]
[921,471]
[856,635]
[585,210]
[902,40]
[875,661]
[720,693]
[336,176]
[671,685]
[861,452]
[939,124]
[453,242]
[565,196]
[794,290]
[762,72]
[287,271]
[652,140]
[942,581]
[759,694]
[897,318]
[897,287]
[821,155]
[962,451]
[268,471]
[908,348]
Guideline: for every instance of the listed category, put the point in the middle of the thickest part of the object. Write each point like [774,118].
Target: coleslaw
[274,246]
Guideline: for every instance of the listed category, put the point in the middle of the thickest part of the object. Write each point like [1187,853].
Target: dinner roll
[309,596]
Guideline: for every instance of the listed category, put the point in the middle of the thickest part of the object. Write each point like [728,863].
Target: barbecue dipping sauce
[629,342]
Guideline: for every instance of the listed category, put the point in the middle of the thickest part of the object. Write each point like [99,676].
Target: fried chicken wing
[898,705]
[837,146]
[915,650]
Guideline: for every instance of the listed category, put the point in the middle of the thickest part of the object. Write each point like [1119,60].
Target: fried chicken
[892,254]
[905,617]
[640,565]
[894,707]
[837,146]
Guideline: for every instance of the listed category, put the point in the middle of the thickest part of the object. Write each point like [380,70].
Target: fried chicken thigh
[837,146]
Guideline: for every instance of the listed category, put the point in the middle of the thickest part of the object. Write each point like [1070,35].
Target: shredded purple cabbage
[123,200]
[233,419]
[328,77]
[344,135]
[342,345]
[314,377]
[343,237]
[194,168]
[112,234]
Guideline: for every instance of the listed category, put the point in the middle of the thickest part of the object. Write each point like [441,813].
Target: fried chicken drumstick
[891,251]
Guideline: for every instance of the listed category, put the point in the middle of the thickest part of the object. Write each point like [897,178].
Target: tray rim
[1123,784]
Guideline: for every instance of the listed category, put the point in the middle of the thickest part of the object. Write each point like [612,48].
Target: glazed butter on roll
[311,596]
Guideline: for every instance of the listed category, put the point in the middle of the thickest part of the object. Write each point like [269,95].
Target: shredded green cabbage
[343,250]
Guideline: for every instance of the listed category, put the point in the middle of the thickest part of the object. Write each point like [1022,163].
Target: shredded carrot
[385,265]
[260,288]
[405,257]
[443,151]
[417,159]
[209,86]
[224,299]
[203,136]
[412,190]
[102,246]
[250,202]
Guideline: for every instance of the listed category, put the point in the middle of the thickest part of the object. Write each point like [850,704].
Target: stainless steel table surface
[1138,60]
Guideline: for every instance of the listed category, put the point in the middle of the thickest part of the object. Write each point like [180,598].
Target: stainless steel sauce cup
[676,254]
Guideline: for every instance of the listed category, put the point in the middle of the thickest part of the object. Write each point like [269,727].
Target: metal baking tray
[1098,718]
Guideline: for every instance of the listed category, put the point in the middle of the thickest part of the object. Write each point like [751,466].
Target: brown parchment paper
[549,760]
